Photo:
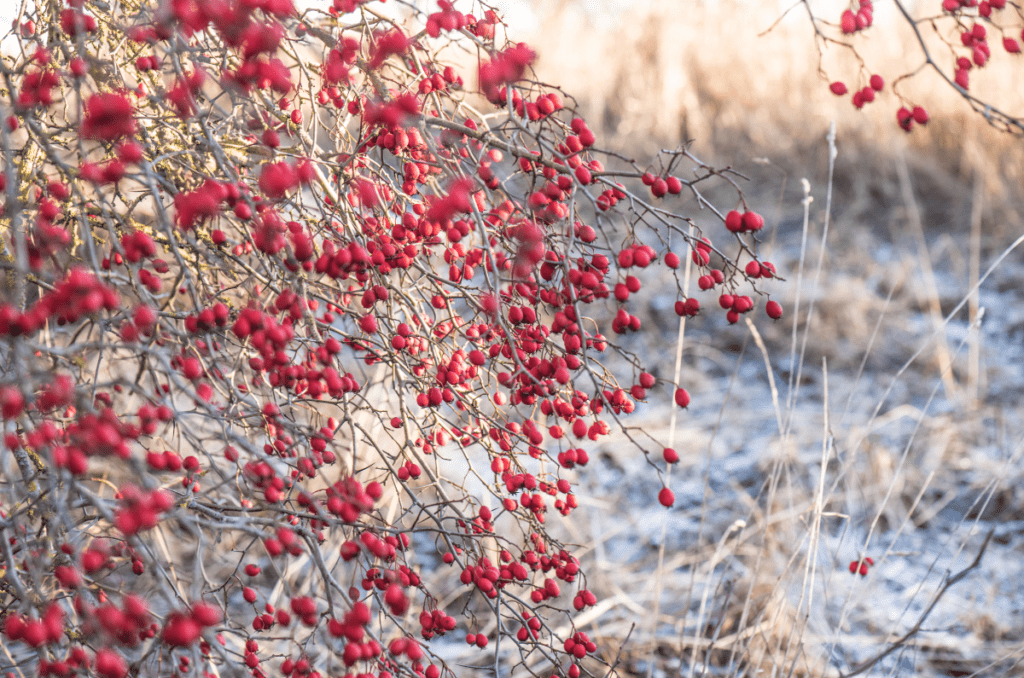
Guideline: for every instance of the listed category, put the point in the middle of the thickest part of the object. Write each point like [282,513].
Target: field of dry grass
[653,75]
[881,418]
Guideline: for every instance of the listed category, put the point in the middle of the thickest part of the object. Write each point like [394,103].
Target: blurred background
[741,84]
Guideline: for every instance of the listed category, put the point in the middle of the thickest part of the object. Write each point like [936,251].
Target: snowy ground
[749,571]
[918,471]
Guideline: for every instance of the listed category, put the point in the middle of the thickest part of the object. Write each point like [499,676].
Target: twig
[618,655]
[865,665]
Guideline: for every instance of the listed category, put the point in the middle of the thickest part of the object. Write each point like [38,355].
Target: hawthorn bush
[266,274]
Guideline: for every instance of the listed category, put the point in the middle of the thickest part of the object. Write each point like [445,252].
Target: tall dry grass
[657,74]
[910,462]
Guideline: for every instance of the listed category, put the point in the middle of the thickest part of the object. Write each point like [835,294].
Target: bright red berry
[682,397]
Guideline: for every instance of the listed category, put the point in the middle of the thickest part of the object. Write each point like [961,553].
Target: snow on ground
[915,478]
[917,487]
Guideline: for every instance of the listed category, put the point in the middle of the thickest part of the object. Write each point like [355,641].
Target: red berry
[742,304]
[734,221]
[848,22]
[905,118]
[752,221]
[659,188]
[671,456]
[877,83]
[838,88]
[181,631]
[682,397]
[773,309]
[368,324]
[961,78]
[666,497]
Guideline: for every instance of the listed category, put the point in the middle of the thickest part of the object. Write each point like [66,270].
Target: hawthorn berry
[682,398]
[734,221]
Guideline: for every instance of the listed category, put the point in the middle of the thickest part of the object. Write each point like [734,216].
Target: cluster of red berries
[184,628]
[284,539]
[36,632]
[277,179]
[863,96]
[907,117]
[435,622]
[182,96]
[140,510]
[262,476]
[348,499]
[108,117]
[79,294]
[585,598]
[505,67]
[976,40]
[660,186]
[579,645]
[37,86]
[974,37]
[409,470]
[745,222]
[195,207]
[851,22]
[74,21]
[861,566]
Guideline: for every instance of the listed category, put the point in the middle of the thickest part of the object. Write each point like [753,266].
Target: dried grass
[656,74]
[753,580]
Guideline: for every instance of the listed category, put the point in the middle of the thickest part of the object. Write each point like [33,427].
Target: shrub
[266,274]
